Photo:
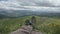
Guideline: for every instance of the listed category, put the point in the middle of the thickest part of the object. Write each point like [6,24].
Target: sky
[34,5]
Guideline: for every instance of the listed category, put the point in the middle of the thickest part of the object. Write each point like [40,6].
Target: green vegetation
[48,25]
[8,24]
[44,24]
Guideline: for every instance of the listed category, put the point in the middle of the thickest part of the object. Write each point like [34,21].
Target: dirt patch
[26,30]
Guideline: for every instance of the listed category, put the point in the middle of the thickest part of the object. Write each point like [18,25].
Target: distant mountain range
[15,13]
[18,13]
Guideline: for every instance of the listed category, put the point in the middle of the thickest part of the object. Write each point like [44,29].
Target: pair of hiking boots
[28,22]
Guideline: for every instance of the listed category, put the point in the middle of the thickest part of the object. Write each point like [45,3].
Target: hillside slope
[44,24]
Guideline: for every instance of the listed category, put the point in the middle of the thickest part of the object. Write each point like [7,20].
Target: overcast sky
[34,5]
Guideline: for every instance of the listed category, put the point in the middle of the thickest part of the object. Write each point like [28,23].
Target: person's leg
[33,27]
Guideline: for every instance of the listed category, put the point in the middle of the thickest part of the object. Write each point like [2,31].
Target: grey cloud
[45,3]
[29,4]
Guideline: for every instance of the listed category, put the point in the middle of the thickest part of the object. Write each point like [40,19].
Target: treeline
[5,16]
[57,15]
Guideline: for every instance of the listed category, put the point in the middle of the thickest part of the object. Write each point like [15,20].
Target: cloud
[34,5]
[3,0]
[47,3]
